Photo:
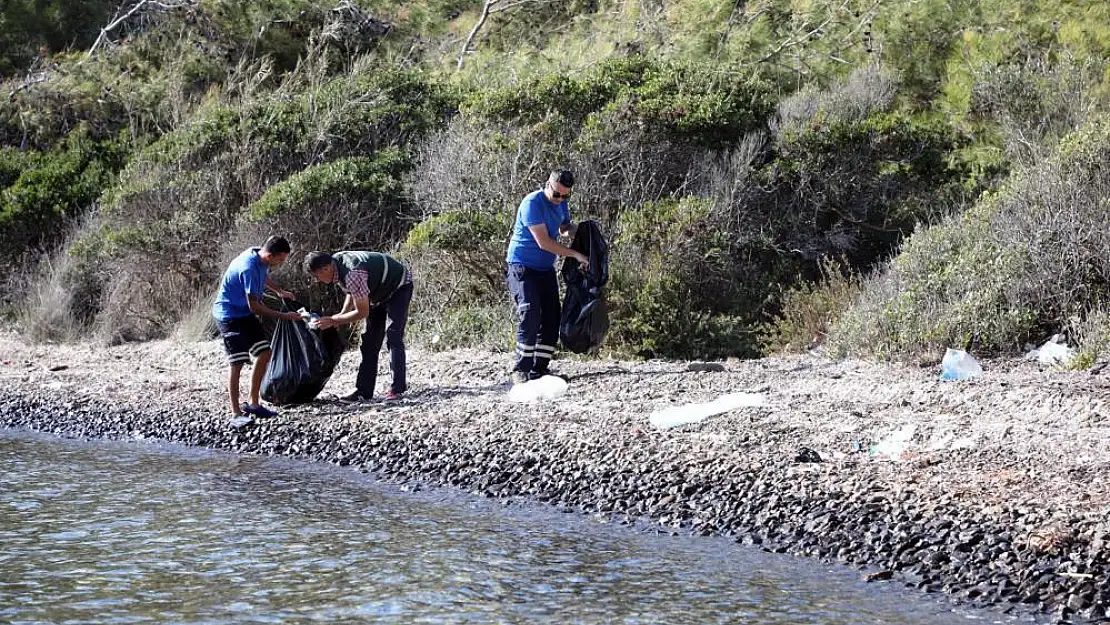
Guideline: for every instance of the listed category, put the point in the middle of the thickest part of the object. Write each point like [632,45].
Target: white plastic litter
[895,443]
[241,421]
[959,365]
[545,388]
[1054,352]
[696,413]
[310,318]
[949,441]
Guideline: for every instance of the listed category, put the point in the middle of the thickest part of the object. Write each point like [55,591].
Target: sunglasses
[559,196]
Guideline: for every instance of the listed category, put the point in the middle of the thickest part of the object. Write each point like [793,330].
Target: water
[111,533]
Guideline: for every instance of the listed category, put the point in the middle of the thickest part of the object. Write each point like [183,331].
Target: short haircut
[276,245]
[564,177]
[315,261]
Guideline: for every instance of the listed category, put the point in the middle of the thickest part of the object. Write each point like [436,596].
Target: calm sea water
[113,533]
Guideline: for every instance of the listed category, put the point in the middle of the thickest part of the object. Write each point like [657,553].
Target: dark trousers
[536,294]
[386,321]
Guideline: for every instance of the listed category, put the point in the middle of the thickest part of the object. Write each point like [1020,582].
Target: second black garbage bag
[585,317]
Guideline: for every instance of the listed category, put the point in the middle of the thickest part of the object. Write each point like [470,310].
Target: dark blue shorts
[244,338]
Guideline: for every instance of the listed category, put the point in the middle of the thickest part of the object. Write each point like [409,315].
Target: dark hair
[315,261]
[564,177]
[276,245]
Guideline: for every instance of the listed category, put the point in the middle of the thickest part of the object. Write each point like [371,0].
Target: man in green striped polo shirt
[379,289]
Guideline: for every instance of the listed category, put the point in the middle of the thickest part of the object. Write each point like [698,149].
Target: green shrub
[673,292]
[195,142]
[659,320]
[46,191]
[1031,104]
[1013,269]
[13,162]
[458,260]
[856,188]
[385,107]
[488,326]
[336,183]
[350,203]
[570,98]
[50,26]
[470,241]
[104,95]
[681,101]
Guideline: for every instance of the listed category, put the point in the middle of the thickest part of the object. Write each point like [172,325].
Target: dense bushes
[728,150]
[705,241]
[41,193]
[34,27]
[674,283]
[1024,263]
[666,100]
[192,199]
[351,203]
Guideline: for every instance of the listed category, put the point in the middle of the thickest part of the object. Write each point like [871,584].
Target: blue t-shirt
[245,276]
[535,209]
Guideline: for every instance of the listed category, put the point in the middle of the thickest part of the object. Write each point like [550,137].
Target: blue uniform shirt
[245,276]
[535,209]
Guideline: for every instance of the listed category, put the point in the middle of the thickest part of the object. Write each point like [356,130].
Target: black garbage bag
[303,360]
[585,316]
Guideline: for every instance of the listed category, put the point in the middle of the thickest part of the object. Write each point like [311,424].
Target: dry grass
[810,309]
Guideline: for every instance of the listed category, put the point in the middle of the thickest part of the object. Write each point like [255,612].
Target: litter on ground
[545,388]
[696,413]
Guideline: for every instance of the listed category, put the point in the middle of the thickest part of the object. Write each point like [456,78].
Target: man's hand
[290,316]
[582,259]
[323,323]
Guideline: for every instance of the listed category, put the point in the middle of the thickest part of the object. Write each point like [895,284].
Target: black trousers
[536,294]
[386,321]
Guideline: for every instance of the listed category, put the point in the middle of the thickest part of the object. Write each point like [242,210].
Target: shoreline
[999,500]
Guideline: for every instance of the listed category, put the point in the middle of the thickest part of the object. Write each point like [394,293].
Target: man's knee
[364,346]
[395,339]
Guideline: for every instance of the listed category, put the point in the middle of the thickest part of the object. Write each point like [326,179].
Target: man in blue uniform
[542,216]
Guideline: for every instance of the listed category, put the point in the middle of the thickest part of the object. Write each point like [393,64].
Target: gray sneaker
[354,398]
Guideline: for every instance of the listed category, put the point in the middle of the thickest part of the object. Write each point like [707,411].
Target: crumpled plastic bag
[896,443]
[1054,352]
[674,416]
[546,388]
[959,365]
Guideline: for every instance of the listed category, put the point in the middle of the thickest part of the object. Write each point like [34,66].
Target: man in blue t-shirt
[542,216]
[237,303]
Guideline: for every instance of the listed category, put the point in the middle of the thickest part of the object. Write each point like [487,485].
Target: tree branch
[28,82]
[801,39]
[474,31]
[489,8]
[167,5]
